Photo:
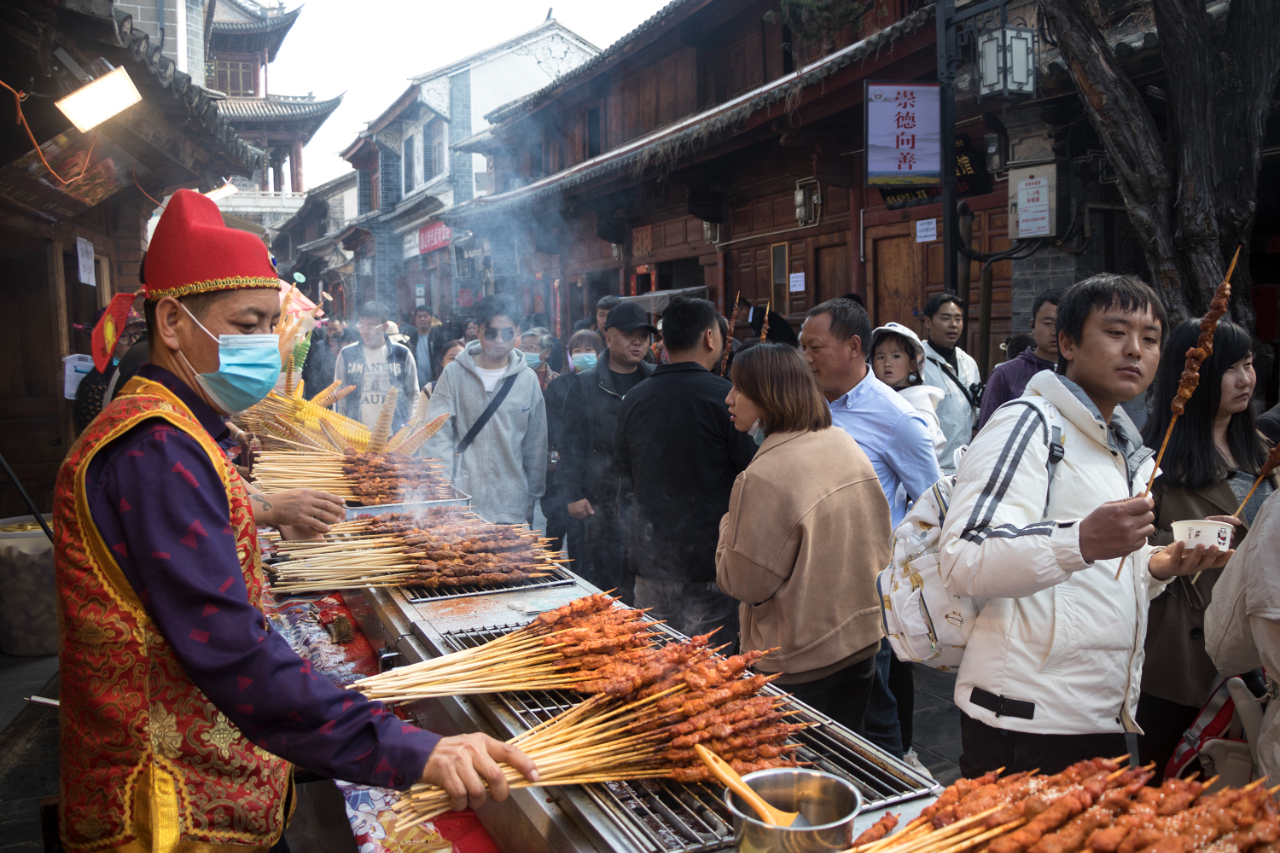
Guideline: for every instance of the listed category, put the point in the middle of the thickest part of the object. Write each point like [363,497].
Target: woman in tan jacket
[806,534]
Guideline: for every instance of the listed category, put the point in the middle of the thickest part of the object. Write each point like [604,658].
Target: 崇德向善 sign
[904,135]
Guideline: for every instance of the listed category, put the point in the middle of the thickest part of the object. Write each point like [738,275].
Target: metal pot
[828,802]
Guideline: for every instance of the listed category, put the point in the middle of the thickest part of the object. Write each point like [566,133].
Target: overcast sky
[371,49]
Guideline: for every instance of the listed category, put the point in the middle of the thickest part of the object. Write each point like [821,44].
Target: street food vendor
[182,709]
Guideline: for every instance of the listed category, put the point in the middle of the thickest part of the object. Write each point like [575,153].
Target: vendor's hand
[1226,519]
[462,765]
[299,508]
[581,509]
[1178,559]
[1117,529]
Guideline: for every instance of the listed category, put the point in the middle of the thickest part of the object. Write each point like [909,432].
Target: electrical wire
[144,192]
[18,98]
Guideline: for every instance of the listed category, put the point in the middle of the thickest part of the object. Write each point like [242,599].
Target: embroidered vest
[148,763]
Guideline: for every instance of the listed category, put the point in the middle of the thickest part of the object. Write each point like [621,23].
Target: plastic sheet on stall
[301,620]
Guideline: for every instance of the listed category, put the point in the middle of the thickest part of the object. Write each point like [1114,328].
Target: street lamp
[1006,62]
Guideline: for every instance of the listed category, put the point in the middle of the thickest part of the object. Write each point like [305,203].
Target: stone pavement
[936,733]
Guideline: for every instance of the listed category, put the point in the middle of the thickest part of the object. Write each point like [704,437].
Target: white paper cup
[1203,532]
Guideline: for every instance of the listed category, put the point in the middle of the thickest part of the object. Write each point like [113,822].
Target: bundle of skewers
[589,646]
[368,479]
[290,422]
[644,719]
[438,547]
[1096,806]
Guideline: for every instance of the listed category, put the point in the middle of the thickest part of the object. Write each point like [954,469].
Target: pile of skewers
[588,645]
[1096,806]
[437,547]
[367,479]
[644,718]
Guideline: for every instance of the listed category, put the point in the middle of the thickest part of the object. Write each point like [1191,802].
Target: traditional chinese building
[71,242]
[415,160]
[244,38]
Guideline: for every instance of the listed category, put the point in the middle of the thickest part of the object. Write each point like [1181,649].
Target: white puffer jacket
[955,414]
[1054,630]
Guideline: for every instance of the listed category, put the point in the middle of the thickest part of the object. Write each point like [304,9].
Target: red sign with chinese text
[432,237]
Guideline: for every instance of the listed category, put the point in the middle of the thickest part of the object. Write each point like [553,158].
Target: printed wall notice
[1033,208]
[904,135]
[84,254]
[926,230]
[796,282]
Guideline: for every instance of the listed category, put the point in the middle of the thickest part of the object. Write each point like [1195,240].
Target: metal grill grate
[668,817]
[558,577]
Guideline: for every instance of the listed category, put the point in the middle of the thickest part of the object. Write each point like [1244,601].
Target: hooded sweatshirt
[505,468]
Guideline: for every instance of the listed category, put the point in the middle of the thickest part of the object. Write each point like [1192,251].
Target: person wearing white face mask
[536,345]
[583,349]
[160,585]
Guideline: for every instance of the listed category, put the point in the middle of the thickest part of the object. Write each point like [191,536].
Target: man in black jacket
[591,476]
[680,452]
[780,331]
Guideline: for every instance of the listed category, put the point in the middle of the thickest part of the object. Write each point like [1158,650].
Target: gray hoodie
[505,468]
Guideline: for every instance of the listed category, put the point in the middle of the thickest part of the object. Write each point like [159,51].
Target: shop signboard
[904,135]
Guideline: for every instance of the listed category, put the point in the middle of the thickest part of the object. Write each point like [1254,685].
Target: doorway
[893,275]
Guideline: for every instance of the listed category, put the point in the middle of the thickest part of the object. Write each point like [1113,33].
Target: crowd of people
[756,494]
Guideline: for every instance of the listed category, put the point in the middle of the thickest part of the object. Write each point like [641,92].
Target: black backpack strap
[483,420]
[955,380]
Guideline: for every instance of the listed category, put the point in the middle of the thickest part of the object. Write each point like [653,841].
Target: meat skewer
[1195,357]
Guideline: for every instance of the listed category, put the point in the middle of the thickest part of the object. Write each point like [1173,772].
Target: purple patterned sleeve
[158,503]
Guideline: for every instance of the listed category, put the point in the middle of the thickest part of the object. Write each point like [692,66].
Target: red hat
[192,251]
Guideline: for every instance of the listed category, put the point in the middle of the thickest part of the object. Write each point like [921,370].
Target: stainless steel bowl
[828,802]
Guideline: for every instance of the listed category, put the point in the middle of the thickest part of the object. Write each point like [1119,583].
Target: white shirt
[375,382]
[490,378]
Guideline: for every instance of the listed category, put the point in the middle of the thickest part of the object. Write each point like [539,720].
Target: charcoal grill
[662,816]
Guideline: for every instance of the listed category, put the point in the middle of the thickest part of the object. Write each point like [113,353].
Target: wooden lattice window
[233,76]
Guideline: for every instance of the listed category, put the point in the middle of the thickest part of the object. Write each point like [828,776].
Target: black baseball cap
[628,317]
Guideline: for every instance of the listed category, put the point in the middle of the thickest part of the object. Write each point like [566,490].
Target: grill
[416,594]
[661,816]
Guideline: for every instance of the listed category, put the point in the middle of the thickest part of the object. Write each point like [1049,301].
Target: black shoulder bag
[483,420]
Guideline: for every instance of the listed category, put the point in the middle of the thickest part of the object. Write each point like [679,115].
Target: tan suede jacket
[806,534]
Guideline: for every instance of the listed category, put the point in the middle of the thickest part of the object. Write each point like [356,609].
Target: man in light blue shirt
[896,439]
[889,430]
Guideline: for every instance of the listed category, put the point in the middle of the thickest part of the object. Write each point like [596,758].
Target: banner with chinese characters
[972,179]
[904,135]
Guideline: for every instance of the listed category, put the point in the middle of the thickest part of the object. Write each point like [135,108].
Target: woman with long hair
[1213,458]
[806,534]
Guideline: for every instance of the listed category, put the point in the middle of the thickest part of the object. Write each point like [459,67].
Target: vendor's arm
[297,513]
[163,513]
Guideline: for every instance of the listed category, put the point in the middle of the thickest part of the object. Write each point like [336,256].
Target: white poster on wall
[904,135]
[926,230]
[84,254]
[1033,208]
[796,282]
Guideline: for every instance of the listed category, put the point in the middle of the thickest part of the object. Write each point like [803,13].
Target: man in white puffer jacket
[1051,672]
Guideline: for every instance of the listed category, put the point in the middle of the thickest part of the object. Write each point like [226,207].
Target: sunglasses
[499,334]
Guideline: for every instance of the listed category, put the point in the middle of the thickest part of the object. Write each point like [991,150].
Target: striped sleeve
[996,542]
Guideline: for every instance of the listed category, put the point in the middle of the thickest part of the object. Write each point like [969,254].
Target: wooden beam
[61,331]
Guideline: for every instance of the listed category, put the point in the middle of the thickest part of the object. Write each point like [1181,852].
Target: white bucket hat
[898,329]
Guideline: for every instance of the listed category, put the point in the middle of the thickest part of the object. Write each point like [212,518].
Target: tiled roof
[175,91]
[270,24]
[506,110]
[687,135]
[277,107]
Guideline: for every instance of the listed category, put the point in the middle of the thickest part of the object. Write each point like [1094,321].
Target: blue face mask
[757,433]
[248,368]
[533,359]
[584,361]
